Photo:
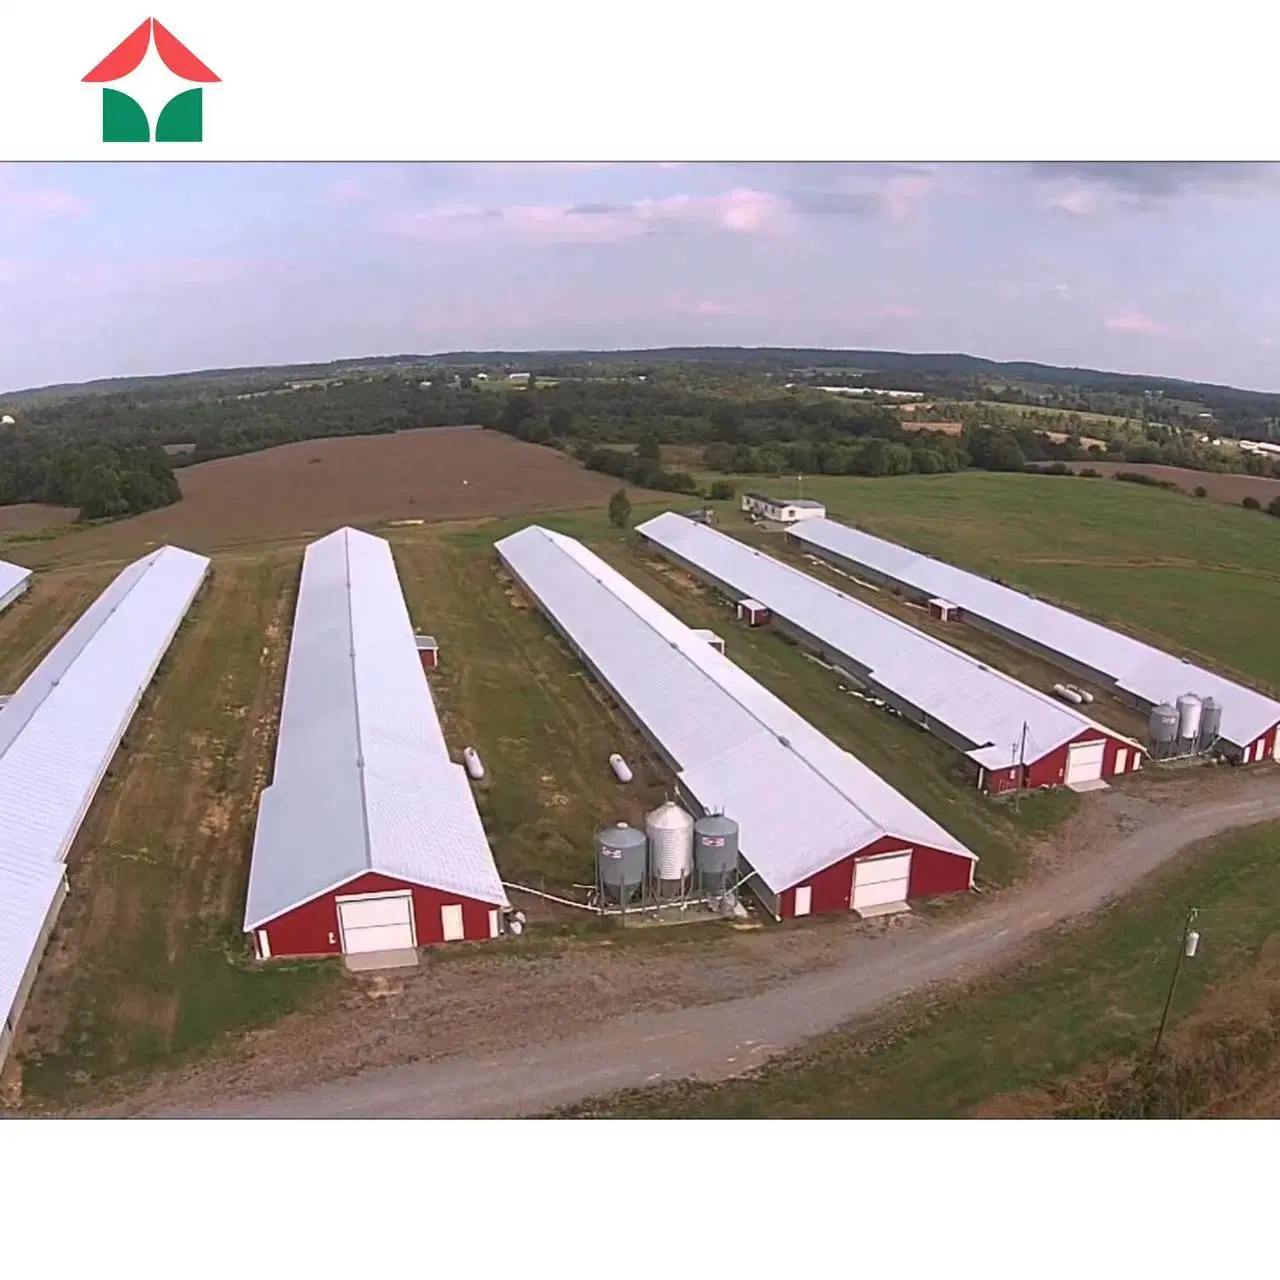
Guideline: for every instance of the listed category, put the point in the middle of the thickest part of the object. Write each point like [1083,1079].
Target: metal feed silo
[621,862]
[1210,722]
[1163,728]
[715,852]
[1189,709]
[670,831]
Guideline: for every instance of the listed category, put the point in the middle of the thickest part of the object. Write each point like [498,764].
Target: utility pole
[1022,767]
[1187,944]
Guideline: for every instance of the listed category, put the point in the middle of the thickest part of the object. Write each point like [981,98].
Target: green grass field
[1087,995]
[1201,578]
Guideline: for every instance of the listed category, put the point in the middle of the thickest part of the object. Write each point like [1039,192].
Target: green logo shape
[123,120]
[181,120]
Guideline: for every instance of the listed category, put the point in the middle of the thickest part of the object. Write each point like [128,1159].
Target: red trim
[178,58]
[125,58]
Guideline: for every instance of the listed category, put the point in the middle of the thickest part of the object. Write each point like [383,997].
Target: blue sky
[124,269]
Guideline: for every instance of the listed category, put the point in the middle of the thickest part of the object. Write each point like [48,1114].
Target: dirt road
[720,1040]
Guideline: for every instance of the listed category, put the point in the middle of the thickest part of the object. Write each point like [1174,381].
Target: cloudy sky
[130,269]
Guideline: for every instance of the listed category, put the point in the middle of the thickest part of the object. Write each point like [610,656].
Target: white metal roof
[61,728]
[11,575]
[801,801]
[1137,668]
[363,780]
[986,707]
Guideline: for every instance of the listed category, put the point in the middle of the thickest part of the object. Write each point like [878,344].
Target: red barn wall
[312,929]
[1051,770]
[1268,741]
[933,871]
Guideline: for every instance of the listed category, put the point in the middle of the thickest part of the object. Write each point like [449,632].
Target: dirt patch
[31,517]
[313,487]
[487,1001]
[1220,488]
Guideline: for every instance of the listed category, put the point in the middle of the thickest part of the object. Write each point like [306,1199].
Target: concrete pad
[366,961]
[884,909]
[1098,784]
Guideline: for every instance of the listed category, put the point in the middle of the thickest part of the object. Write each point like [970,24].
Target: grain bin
[1210,722]
[670,831]
[715,852]
[1189,711]
[1163,728]
[621,862]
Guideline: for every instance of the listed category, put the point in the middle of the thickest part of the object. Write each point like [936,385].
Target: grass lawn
[1088,994]
[1201,578]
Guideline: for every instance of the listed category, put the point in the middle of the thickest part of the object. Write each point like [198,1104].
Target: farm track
[728,1038]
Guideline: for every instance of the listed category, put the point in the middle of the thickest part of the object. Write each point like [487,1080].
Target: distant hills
[938,373]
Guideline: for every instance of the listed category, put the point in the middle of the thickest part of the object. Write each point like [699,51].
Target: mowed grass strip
[508,687]
[1195,577]
[148,962]
[1088,994]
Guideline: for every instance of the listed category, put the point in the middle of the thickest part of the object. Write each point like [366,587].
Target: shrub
[1251,504]
[1090,473]
[1201,491]
[721,491]
[1273,507]
[1152,482]
[620,509]
[1057,469]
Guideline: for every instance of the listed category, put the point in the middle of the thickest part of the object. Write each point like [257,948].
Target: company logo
[181,117]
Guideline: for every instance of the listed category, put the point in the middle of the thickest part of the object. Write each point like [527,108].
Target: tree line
[100,480]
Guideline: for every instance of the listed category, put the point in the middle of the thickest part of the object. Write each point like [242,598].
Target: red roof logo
[127,56]
[123,119]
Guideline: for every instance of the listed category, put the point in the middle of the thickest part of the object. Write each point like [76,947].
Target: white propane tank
[1067,694]
[1193,943]
[621,769]
[475,769]
[515,927]
[1085,694]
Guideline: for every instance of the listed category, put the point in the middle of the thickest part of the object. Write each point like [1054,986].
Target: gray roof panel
[1149,673]
[363,780]
[61,729]
[985,707]
[801,801]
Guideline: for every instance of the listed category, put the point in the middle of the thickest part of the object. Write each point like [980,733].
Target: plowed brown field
[308,489]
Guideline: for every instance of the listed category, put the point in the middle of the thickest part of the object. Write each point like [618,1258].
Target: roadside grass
[1196,577]
[1084,996]
[148,962]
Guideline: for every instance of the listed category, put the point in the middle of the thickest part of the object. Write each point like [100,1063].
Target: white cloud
[1131,320]
[742,211]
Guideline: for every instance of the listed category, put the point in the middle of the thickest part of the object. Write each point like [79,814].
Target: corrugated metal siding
[1139,669]
[801,801]
[363,780]
[61,729]
[983,707]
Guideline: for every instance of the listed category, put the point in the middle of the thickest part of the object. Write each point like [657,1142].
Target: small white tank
[670,832]
[475,768]
[1067,694]
[621,769]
